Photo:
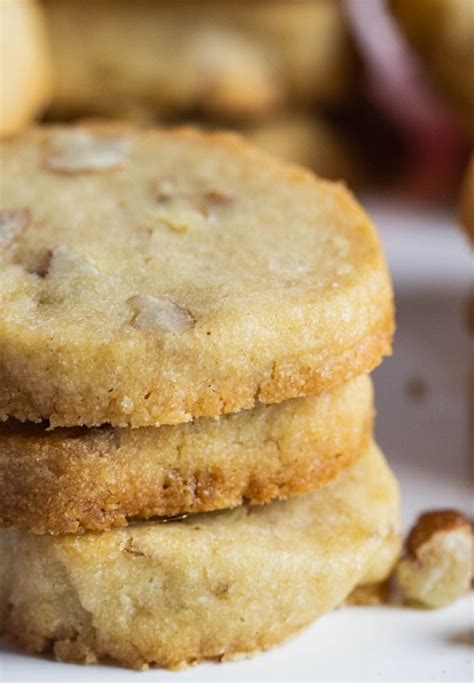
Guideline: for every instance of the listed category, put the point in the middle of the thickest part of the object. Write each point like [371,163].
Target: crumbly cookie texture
[167,275]
[71,479]
[25,68]
[212,586]
[235,60]
[437,568]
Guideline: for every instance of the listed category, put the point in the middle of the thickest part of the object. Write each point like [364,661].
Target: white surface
[426,441]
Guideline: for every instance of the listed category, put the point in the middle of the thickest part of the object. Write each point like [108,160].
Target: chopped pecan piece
[437,567]
[162,315]
[12,223]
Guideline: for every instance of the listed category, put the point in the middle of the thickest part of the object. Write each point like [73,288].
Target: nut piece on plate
[437,567]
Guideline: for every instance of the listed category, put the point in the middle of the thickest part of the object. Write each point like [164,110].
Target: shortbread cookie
[442,32]
[71,479]
[146,58]
[212,586]
[309,140]
[149,277]
[25,69]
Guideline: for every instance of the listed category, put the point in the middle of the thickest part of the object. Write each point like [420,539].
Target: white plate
[426,440]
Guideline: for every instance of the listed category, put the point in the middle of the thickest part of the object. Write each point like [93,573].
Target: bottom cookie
[212,586]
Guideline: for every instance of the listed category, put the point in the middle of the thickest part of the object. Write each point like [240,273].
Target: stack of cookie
[276,71]
[186,328]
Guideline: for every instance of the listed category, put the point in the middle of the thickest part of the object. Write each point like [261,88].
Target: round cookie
[149,277]
[120,58]
[68,480]
[442,32]
[25,70]
[213,586]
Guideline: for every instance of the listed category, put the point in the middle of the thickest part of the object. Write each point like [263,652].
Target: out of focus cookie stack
[186,330]
[25,64]
[274,71]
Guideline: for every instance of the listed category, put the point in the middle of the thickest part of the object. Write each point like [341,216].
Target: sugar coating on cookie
[212,586]
[73,479]
[150,277]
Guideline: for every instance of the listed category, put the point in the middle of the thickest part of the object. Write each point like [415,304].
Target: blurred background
[379,93]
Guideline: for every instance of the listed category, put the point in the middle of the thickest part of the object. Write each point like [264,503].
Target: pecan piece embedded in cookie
[12,223]
[79,151]
[161,315]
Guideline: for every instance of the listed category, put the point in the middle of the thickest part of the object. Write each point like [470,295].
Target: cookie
[213,586]
[120,58]
[442,33]
[309,140]
[25,69]
[150,277]
[71,479]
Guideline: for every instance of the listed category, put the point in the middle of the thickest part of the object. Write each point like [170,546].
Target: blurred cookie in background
[467,221]
[25,73]
[467,200]
[442,33]
[396,83]
[309,140]
[147,58]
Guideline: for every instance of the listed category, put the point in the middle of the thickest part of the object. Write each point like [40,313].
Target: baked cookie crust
[213,586]
[150,277]
[72,479]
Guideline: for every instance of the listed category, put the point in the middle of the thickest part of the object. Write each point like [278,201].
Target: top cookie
[146,58]
[149,277]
